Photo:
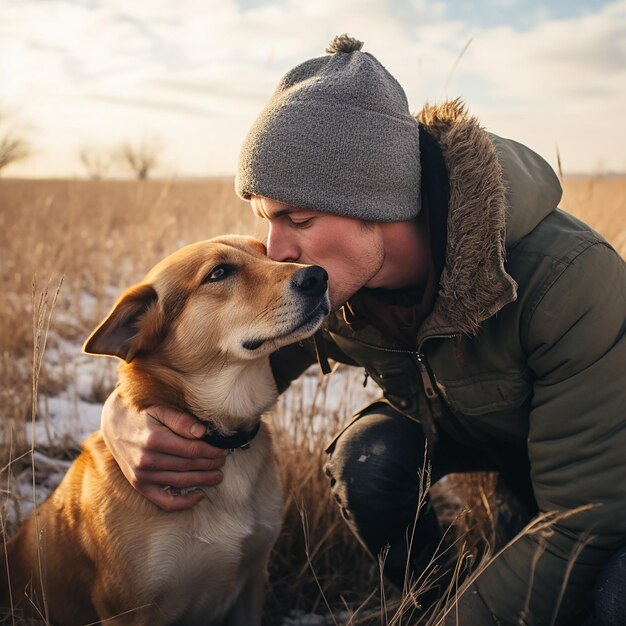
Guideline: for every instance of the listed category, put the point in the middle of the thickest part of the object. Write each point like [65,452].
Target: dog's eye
[219,272]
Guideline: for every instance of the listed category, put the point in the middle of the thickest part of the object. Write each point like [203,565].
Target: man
[492,321]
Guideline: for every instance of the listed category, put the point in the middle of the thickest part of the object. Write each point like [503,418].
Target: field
[67,249]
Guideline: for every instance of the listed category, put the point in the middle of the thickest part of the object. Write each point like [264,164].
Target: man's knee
[376,475]
[379,457]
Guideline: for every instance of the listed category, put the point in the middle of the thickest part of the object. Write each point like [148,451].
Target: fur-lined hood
[499,191]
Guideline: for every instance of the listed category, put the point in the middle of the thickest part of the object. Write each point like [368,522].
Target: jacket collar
[482,174]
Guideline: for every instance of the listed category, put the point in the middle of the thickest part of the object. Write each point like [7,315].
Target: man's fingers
[182,424]
[187,427]
[161,440]
[155,461]
[180,480]
[160,453]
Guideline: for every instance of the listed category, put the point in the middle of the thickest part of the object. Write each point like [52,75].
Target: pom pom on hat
[343,43]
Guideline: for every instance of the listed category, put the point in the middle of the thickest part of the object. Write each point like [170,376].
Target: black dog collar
[239,441]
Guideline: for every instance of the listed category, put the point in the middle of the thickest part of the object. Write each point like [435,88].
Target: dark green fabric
[546,372]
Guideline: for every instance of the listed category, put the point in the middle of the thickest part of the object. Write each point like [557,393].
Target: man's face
[351,252]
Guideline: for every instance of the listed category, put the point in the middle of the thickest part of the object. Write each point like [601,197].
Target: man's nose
[279,248]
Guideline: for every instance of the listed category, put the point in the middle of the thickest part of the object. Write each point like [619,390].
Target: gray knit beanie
[337,136]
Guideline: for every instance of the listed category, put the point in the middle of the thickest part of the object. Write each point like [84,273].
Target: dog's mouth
[304,328]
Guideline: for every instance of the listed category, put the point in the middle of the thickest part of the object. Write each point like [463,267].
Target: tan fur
[108,553]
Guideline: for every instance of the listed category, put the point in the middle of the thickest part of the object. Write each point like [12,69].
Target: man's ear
[134,325]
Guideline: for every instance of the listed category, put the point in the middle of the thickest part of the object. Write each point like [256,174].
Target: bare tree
[13,144]
[140,158]
[97,162]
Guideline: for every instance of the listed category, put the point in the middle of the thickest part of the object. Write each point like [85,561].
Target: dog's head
[216,299]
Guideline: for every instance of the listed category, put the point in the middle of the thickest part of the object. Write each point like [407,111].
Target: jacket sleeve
[289,362]
[576,441]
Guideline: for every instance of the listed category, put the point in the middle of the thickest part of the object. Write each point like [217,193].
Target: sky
[192,75]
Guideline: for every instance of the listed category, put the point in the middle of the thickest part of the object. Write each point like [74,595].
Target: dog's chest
[199,562]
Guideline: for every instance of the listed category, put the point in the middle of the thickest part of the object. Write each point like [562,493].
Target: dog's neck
[231,398]
[236,397]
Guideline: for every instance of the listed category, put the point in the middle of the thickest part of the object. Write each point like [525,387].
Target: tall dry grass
[600,201]
[102,236]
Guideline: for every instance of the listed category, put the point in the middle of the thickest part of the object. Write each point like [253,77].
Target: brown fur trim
[474,284]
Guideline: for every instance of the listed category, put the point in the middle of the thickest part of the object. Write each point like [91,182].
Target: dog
[196,335]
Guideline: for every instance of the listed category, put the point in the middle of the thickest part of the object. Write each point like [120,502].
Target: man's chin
[337,303]
[335,306]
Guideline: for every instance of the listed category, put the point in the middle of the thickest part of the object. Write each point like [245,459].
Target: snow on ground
[63,421]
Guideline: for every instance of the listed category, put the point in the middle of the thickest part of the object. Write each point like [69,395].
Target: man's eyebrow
[280,213]
[285,211]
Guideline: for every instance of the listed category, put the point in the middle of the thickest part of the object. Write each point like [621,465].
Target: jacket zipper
[428,382]
[430,387]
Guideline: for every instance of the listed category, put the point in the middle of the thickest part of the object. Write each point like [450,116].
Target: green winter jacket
[525,344]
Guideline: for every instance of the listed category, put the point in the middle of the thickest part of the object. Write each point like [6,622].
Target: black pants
[376,471]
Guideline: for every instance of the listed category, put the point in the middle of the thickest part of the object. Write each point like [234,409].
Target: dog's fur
[196,338]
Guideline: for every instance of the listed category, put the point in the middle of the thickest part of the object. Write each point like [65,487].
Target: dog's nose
[310,281]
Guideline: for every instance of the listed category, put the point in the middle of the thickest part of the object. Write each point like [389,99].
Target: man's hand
[161,448]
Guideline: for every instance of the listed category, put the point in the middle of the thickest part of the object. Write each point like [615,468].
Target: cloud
[555,59]
[116,69]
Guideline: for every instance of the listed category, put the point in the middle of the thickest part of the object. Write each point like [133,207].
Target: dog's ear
[134,325]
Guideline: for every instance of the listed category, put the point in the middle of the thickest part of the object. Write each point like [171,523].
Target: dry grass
[102,237]
[600,202]
[317,562]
